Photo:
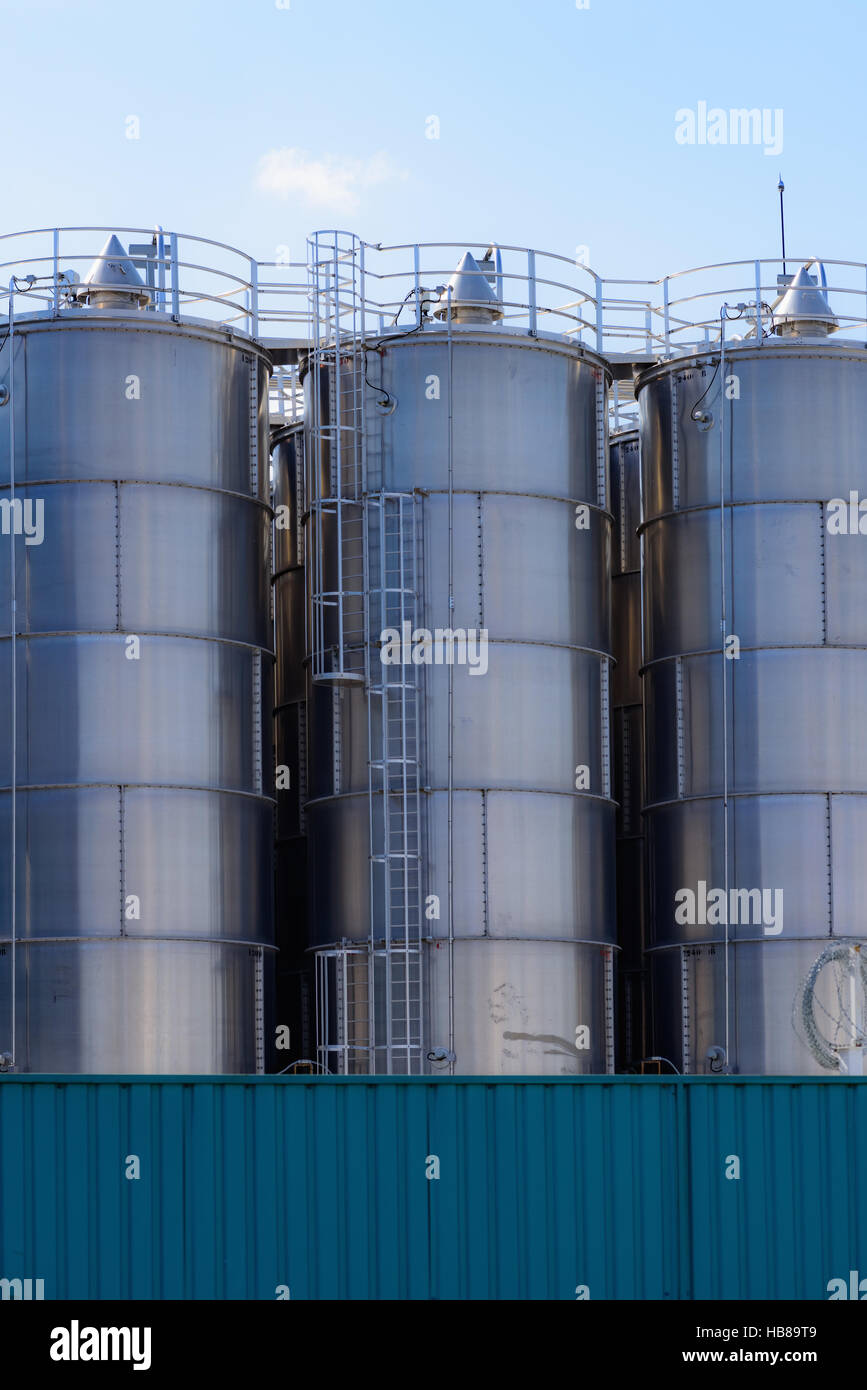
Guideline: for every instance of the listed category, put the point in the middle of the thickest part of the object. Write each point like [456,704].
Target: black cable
[692,413]
[22,288]
[406,299]
[733,319]
[387,397]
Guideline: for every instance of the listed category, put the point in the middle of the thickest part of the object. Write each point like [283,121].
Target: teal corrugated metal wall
[633,1187]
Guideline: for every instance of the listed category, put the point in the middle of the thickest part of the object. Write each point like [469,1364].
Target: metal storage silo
[136,932]
[756,664]
[460,817]
[628,739]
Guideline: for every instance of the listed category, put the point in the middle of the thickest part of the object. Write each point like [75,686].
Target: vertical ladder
[362,568]
[394,790]
[336,573]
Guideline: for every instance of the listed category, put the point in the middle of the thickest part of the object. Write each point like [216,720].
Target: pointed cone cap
[469,290]
[804,304]
[113,271]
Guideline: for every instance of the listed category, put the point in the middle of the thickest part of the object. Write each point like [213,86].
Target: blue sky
[557,124]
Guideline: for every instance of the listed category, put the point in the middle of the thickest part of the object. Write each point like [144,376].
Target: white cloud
[329,182]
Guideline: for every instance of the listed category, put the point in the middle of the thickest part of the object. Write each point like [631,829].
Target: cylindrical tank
[756,666]
[485,458]
[294,992]
[627,739]
[142,652]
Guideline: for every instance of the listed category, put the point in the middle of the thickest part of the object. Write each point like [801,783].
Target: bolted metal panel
[421,1188]
[520,1002]
[143,857]
[516,821]
[774,732]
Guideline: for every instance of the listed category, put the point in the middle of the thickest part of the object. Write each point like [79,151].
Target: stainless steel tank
[142,653]
[627,739]
[486,458]
[756,667]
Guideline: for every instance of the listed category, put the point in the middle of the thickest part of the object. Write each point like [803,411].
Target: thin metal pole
[724,625]
[254,298]
[173,253]
[418,579]
[667,317]
[345,1002]
[367,511]
[361,329]
[55,256]
[315,464]
[600,328]
[451,740]
[386,827]
[404,786]
[14,625]
[531,281]
[338,454]
[161,269]
[782,188]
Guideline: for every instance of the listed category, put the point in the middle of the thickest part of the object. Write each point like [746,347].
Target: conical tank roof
[804,307]
[471,299]
[112,279]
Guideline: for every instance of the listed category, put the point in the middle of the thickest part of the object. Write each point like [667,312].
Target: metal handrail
[531,288]
[660,317]
[177,281]
[666,323]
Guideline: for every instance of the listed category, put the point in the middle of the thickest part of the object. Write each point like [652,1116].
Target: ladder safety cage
[362,566]
[336,476]
[394,788]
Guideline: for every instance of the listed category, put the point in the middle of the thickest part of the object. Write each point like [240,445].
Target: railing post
[161,270]
[56,267]
[531,282]
[667,317]
[173,253]
[759,331]
[254,298]
[599,323]
[361,324]
[417,275]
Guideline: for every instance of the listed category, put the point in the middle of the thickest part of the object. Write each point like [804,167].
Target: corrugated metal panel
[797,1215]
[319,1184]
